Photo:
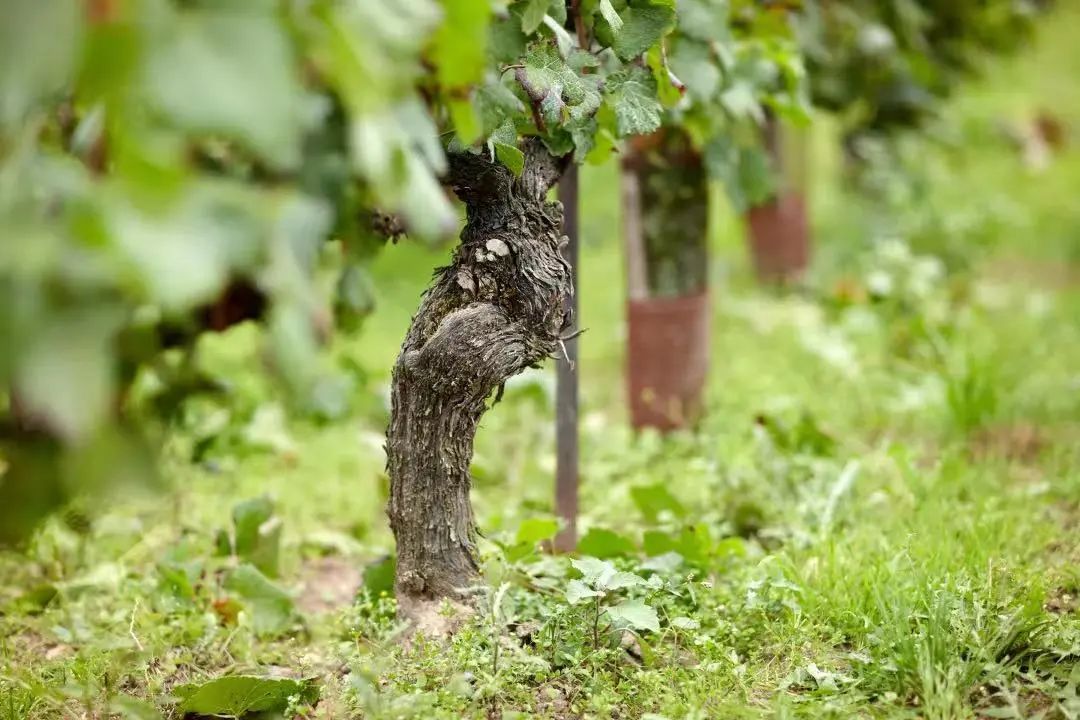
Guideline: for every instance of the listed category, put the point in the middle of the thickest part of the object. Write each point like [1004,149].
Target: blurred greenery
[876,518]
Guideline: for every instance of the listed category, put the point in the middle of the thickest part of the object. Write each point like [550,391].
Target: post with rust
[566,394]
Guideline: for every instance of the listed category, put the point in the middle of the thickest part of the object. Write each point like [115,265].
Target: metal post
[566,394]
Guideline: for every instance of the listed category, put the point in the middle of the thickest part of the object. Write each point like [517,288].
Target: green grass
[879,516]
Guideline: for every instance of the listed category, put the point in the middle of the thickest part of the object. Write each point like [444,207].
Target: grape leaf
[39,43]
[230,72]
[532,15]
[610,15]
[459,49]
[642,28]
[632,94]
[65,377]
[705,20]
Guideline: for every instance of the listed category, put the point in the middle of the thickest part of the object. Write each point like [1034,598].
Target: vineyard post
[566,394]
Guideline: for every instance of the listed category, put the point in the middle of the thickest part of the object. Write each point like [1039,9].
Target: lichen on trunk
[495,310]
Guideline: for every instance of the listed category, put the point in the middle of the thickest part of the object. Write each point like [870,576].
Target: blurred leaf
[460,46]
[65,376]
[593,570]
[229,71]
[133,708]
[269,607]
[178,579]
[330,395]
[621,580]
[30,487]
[240,694]
[258,534]
[267,430]
[39,44]
[643,26]
[602,543]
[36,599]
[532,15]
[705,20]
[665,563]
[534,530]
[653,499]
[576,591]
[379,576]
[634,614]
[465,120]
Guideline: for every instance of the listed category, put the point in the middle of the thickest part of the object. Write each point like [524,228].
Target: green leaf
[610,15]
[132,708]
[667,562]
[270,607]
[379,576]
[634,614]
[511,157]
[576,591]
[632,95]
[693,64]
[642,28]
[506,40]
[693,543]
[495,103]
[705,20]
[236,695]
[399,152]
[466,123]
[39,44]
[653,499]
[622,580]
[232,72]
[65,376]
[557,82]
[603,543]
[459,49]
[534,530]
[354,297]
[258,534]
[532,15]
[593,570]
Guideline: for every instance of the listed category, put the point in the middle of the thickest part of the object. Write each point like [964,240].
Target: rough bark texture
[495,310]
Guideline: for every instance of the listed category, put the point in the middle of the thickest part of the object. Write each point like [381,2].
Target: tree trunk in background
[495,310]
[778,230]
[665,211]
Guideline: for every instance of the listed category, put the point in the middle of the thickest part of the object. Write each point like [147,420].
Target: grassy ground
[880,516]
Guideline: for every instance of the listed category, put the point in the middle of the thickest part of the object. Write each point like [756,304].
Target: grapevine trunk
[495,310]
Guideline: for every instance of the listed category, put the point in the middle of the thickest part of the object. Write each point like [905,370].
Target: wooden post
[566,393]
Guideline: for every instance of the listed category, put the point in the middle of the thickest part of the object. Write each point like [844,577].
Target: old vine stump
[497,309]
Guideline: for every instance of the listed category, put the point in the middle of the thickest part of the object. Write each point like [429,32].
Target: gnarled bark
[495,310]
